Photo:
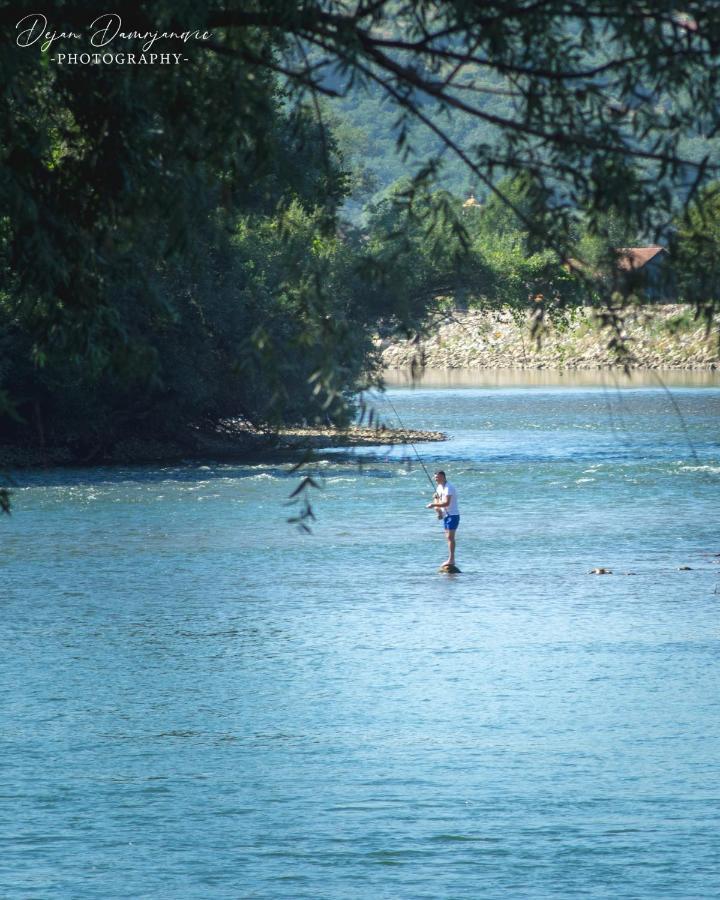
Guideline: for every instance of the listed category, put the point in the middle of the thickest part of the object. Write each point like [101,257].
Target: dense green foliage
[437,247]
[161,274]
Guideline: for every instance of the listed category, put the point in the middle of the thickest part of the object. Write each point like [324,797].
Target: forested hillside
[370,127]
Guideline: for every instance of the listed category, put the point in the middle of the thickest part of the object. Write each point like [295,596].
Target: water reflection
[614,378]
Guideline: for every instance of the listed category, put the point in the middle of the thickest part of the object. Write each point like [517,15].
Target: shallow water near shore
[200,701]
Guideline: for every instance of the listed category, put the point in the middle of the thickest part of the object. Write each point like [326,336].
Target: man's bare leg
[450,534]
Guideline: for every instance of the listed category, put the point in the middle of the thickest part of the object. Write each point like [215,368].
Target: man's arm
[442,505]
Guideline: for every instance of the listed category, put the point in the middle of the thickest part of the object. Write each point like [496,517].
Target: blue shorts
[450,523]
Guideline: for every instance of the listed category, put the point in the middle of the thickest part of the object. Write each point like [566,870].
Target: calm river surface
[198,701]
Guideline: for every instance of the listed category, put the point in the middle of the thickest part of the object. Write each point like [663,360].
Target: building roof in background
[632,258]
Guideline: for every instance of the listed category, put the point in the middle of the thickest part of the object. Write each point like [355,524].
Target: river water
[200,701]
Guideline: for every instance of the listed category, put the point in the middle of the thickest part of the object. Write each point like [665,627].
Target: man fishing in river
[446,504]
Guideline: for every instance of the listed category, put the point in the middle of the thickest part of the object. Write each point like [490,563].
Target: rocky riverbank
[660,337]
[316,438]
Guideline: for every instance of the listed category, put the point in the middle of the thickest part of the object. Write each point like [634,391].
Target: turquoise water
[199,701]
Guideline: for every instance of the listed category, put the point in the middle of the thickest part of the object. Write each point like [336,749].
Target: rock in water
[449,570]
[599,571]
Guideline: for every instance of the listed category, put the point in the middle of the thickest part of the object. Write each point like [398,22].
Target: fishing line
[434,486]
